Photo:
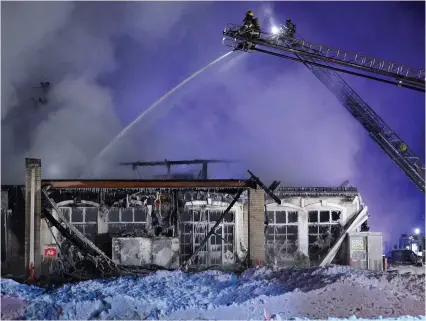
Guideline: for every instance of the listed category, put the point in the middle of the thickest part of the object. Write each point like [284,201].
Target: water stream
[152,107]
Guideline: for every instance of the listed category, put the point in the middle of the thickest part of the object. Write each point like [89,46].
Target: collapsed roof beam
[147,183]
[169,164]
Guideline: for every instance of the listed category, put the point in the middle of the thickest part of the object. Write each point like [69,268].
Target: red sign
[50,252]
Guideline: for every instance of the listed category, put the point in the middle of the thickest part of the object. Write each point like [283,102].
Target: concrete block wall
[256,226]
[33,169]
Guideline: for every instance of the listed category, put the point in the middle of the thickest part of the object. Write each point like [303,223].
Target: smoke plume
[108,62]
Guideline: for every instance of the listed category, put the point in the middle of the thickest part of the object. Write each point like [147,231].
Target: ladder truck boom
[378,130]
[391,72]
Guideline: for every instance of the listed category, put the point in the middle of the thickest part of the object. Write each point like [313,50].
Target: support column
[303,232]
[246,225]
[256,226]
[32,217]
[6,236]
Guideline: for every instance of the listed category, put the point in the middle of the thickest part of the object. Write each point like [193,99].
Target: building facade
[301,230]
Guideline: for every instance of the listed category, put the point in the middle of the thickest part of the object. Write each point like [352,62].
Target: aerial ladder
[325,63]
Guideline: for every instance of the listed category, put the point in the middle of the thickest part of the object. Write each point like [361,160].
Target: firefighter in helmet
[250,30]
[250,22]
[291,28]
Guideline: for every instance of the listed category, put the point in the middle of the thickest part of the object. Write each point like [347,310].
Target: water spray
[152,107]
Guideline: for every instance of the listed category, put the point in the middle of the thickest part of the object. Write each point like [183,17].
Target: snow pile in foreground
[334,291]
[407,269]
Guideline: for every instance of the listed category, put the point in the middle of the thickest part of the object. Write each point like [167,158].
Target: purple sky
[110,61]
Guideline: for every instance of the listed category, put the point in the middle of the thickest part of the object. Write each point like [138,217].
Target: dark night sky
[108,62]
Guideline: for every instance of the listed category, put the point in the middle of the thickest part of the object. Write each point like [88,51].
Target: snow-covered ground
[408,269]
[315,293]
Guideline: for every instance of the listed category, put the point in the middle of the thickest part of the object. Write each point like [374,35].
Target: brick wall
[256,226]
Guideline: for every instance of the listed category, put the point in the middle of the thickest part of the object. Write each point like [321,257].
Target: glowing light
[275,30]
[417,231]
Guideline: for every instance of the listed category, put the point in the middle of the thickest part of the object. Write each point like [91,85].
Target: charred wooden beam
[83,239]
[66,233]
[181,162]
[147,184]
[268,190]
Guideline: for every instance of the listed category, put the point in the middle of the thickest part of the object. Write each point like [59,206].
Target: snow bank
[407,269]
[290,293]
[12,308]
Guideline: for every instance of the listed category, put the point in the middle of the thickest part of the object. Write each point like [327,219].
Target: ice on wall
[131,250]
[165,252]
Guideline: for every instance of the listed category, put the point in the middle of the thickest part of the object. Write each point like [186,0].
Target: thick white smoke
[72,46]
[271,114]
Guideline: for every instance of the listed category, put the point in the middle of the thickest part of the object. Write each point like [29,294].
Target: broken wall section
[140,251]
[197,211]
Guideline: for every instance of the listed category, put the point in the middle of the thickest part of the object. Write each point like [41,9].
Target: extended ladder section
[381,133]
[390,72]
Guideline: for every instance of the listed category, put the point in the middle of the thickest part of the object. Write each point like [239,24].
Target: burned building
[175,224]
[13,231]
[309,221]
[147,216]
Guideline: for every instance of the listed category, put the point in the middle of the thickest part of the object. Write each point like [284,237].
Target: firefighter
[291,28]
[250,30]
[250,22]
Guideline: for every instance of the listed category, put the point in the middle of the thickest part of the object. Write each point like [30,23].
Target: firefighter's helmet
[288,20]
[403,147]
[250,13]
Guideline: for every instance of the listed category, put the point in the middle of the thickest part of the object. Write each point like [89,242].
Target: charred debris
[80,258]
